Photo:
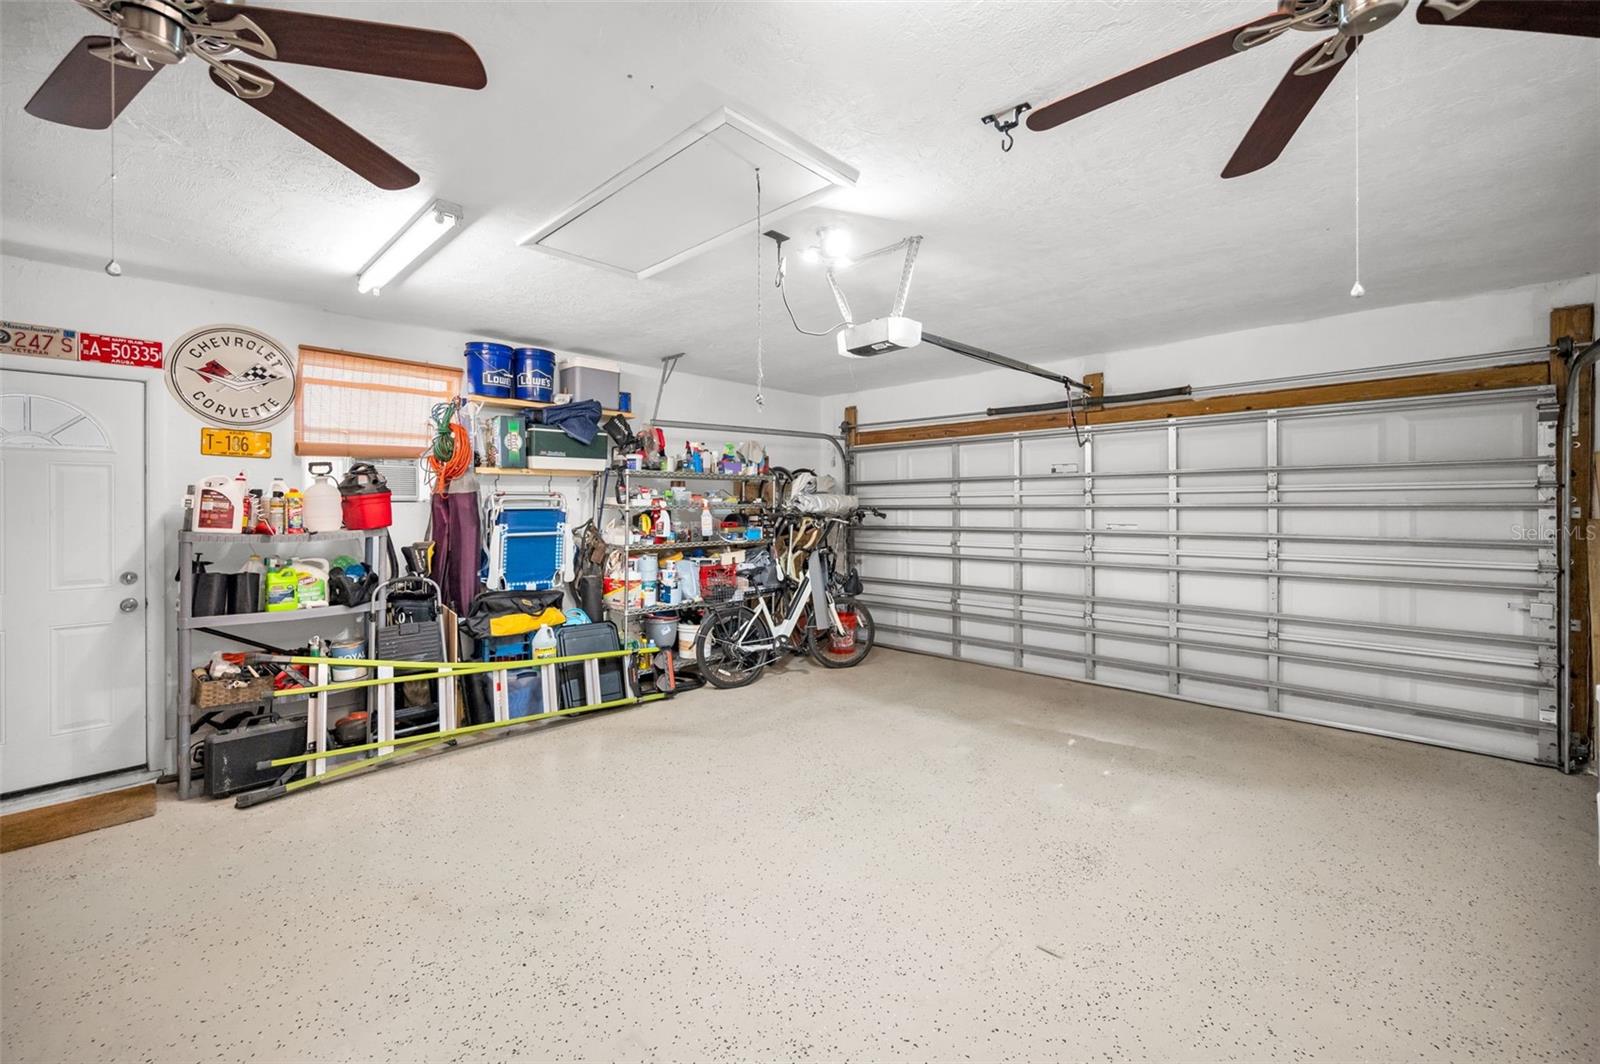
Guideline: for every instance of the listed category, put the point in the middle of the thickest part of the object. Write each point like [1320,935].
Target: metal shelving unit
[187,622]
[628,476]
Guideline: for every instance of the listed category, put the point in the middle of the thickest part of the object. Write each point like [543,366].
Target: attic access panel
[691,194]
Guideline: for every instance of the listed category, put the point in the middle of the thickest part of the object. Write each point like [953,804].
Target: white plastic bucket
[686,637]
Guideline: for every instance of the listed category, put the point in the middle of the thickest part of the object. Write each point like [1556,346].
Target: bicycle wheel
[841,650]
[723,662]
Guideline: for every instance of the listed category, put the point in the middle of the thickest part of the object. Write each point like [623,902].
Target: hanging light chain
[761,369]
[1356,291]
[113,267]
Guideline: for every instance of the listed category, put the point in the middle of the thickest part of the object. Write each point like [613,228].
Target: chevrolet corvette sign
[229,375]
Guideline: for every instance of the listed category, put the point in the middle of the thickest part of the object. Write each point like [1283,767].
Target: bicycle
[737,642]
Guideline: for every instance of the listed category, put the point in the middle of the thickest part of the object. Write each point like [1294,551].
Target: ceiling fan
[152,34]
[1315,68]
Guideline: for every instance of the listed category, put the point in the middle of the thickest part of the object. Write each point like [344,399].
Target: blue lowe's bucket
[536,373]
[489,370]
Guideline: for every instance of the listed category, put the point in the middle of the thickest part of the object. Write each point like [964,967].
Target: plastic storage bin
[599,379]
[524,692]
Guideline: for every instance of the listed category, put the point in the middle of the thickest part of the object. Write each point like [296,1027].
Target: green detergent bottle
[281,586]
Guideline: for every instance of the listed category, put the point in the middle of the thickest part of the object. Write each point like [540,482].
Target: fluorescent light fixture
[424,232]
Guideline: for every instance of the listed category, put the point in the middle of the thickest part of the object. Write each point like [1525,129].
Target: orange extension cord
[458,463]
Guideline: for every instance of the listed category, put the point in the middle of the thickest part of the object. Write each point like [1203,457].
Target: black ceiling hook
[1006,125]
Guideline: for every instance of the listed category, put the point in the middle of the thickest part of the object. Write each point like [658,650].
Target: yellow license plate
[236,443]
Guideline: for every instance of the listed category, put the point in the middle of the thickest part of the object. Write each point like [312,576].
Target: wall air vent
[691,194]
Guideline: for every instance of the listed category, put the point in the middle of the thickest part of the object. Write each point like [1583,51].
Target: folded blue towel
[581,420]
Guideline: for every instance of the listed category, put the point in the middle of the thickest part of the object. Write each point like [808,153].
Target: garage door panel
[1150,587]
[1224,445]
[1225,592]
[1375,566]
[1234,696]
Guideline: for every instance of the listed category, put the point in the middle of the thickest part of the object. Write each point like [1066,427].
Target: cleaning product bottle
[311,582]
[215,504]
[323,510]
[294,510]
[544,642]
[242,486]
[706,521]
[275,512]
[281,585]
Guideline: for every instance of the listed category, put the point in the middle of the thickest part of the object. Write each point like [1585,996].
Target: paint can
[347,648]
[489,370]
[535,374]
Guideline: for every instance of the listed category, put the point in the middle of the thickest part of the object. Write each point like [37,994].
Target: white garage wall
[50,294]
[1492,321]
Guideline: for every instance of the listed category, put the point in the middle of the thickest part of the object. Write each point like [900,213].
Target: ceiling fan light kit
[101,76]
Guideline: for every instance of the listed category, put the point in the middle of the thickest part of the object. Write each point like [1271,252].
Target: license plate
[120,350]
[235,443]
[42,341]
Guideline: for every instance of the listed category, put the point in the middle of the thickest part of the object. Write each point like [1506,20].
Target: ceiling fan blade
[78,90]
[1576,18]
[1285,109]
[363,47]
[1153,73]
[323,131]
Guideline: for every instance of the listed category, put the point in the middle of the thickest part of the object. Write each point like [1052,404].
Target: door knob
[130,577]
[128,605]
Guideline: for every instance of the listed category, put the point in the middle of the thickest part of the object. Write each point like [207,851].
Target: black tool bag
[491,604]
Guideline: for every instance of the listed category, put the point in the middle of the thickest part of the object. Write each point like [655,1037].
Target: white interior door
[72,603]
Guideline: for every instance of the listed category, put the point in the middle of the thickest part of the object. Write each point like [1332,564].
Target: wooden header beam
[1577,324]
[1456,381]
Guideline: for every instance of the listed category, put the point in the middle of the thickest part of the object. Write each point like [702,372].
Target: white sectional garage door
[1385,567]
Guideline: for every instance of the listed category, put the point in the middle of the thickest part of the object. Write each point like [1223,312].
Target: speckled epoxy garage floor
[916,860]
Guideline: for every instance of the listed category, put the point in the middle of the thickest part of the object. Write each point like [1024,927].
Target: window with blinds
[367,406]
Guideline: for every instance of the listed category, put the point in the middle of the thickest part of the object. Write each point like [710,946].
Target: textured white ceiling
[1479,152]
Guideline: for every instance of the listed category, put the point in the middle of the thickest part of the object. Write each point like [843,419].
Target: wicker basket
[207,693]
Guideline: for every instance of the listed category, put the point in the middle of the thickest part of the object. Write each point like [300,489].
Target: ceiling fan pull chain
[1356,291]
[761,369]
[113,267]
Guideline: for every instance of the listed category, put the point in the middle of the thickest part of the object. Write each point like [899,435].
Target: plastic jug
[323,510]
[311,582]
[215,505]
[281,585]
